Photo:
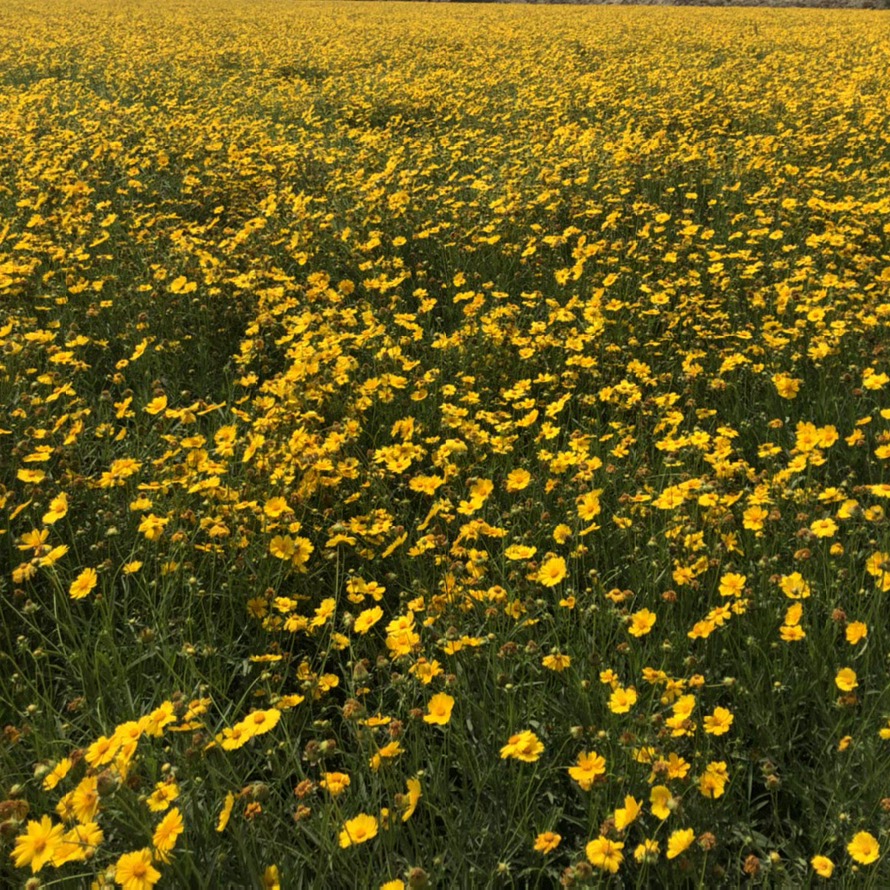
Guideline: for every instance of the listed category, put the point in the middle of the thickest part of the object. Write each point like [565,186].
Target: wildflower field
[443,446]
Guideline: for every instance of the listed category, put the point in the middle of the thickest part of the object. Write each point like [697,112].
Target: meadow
[443,446]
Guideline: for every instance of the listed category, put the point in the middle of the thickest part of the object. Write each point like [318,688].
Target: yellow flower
[626,814]
[440,706]
[520,551]
[856,631]
[679,841]
[358,830]
[732,584]
[713,781]
[367,619]
[83,584]
[823,528]
[78,844]
[823,866]
[647,851]
[85,799]
[622,699]
[411,799]
[163,795]
[517,480]
[605,854]
[271,878]
[590,767]
[226,812]
[58,507]
[641,623]
[335,783]
[524,746]
[134,871]
[56,774]
[719,722]
[38,843]
[846,680]
[552,571]
[165,835]
[547,841]
[864,848]
[155,406]
[661,799]
[556,662]
[786,386]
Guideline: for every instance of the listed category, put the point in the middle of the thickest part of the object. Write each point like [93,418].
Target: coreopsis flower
[661,800]
[358,830]
[622,699]
[85,799]
[335,783]
[547,841]
[679,841]
[641,623]
[846,680]
[520,552]
[786,385]
[366,619]
[411,799]
[732,584]
[589,767]
[823,866]
[226,812]
[58,507]
[794,586]
[78,844]
[524,746]
[517,480]
[163,795]
[864,848]
[856,631]
[552,571]
[440,706]
[713,780]
[626,814]
[260,722]
[823,528]
[134,871]
[156,405]
[719,722]
[647,851]
[37,845]
[83,584]
[605,854]
[168,830]
[57,773]
[556,662]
